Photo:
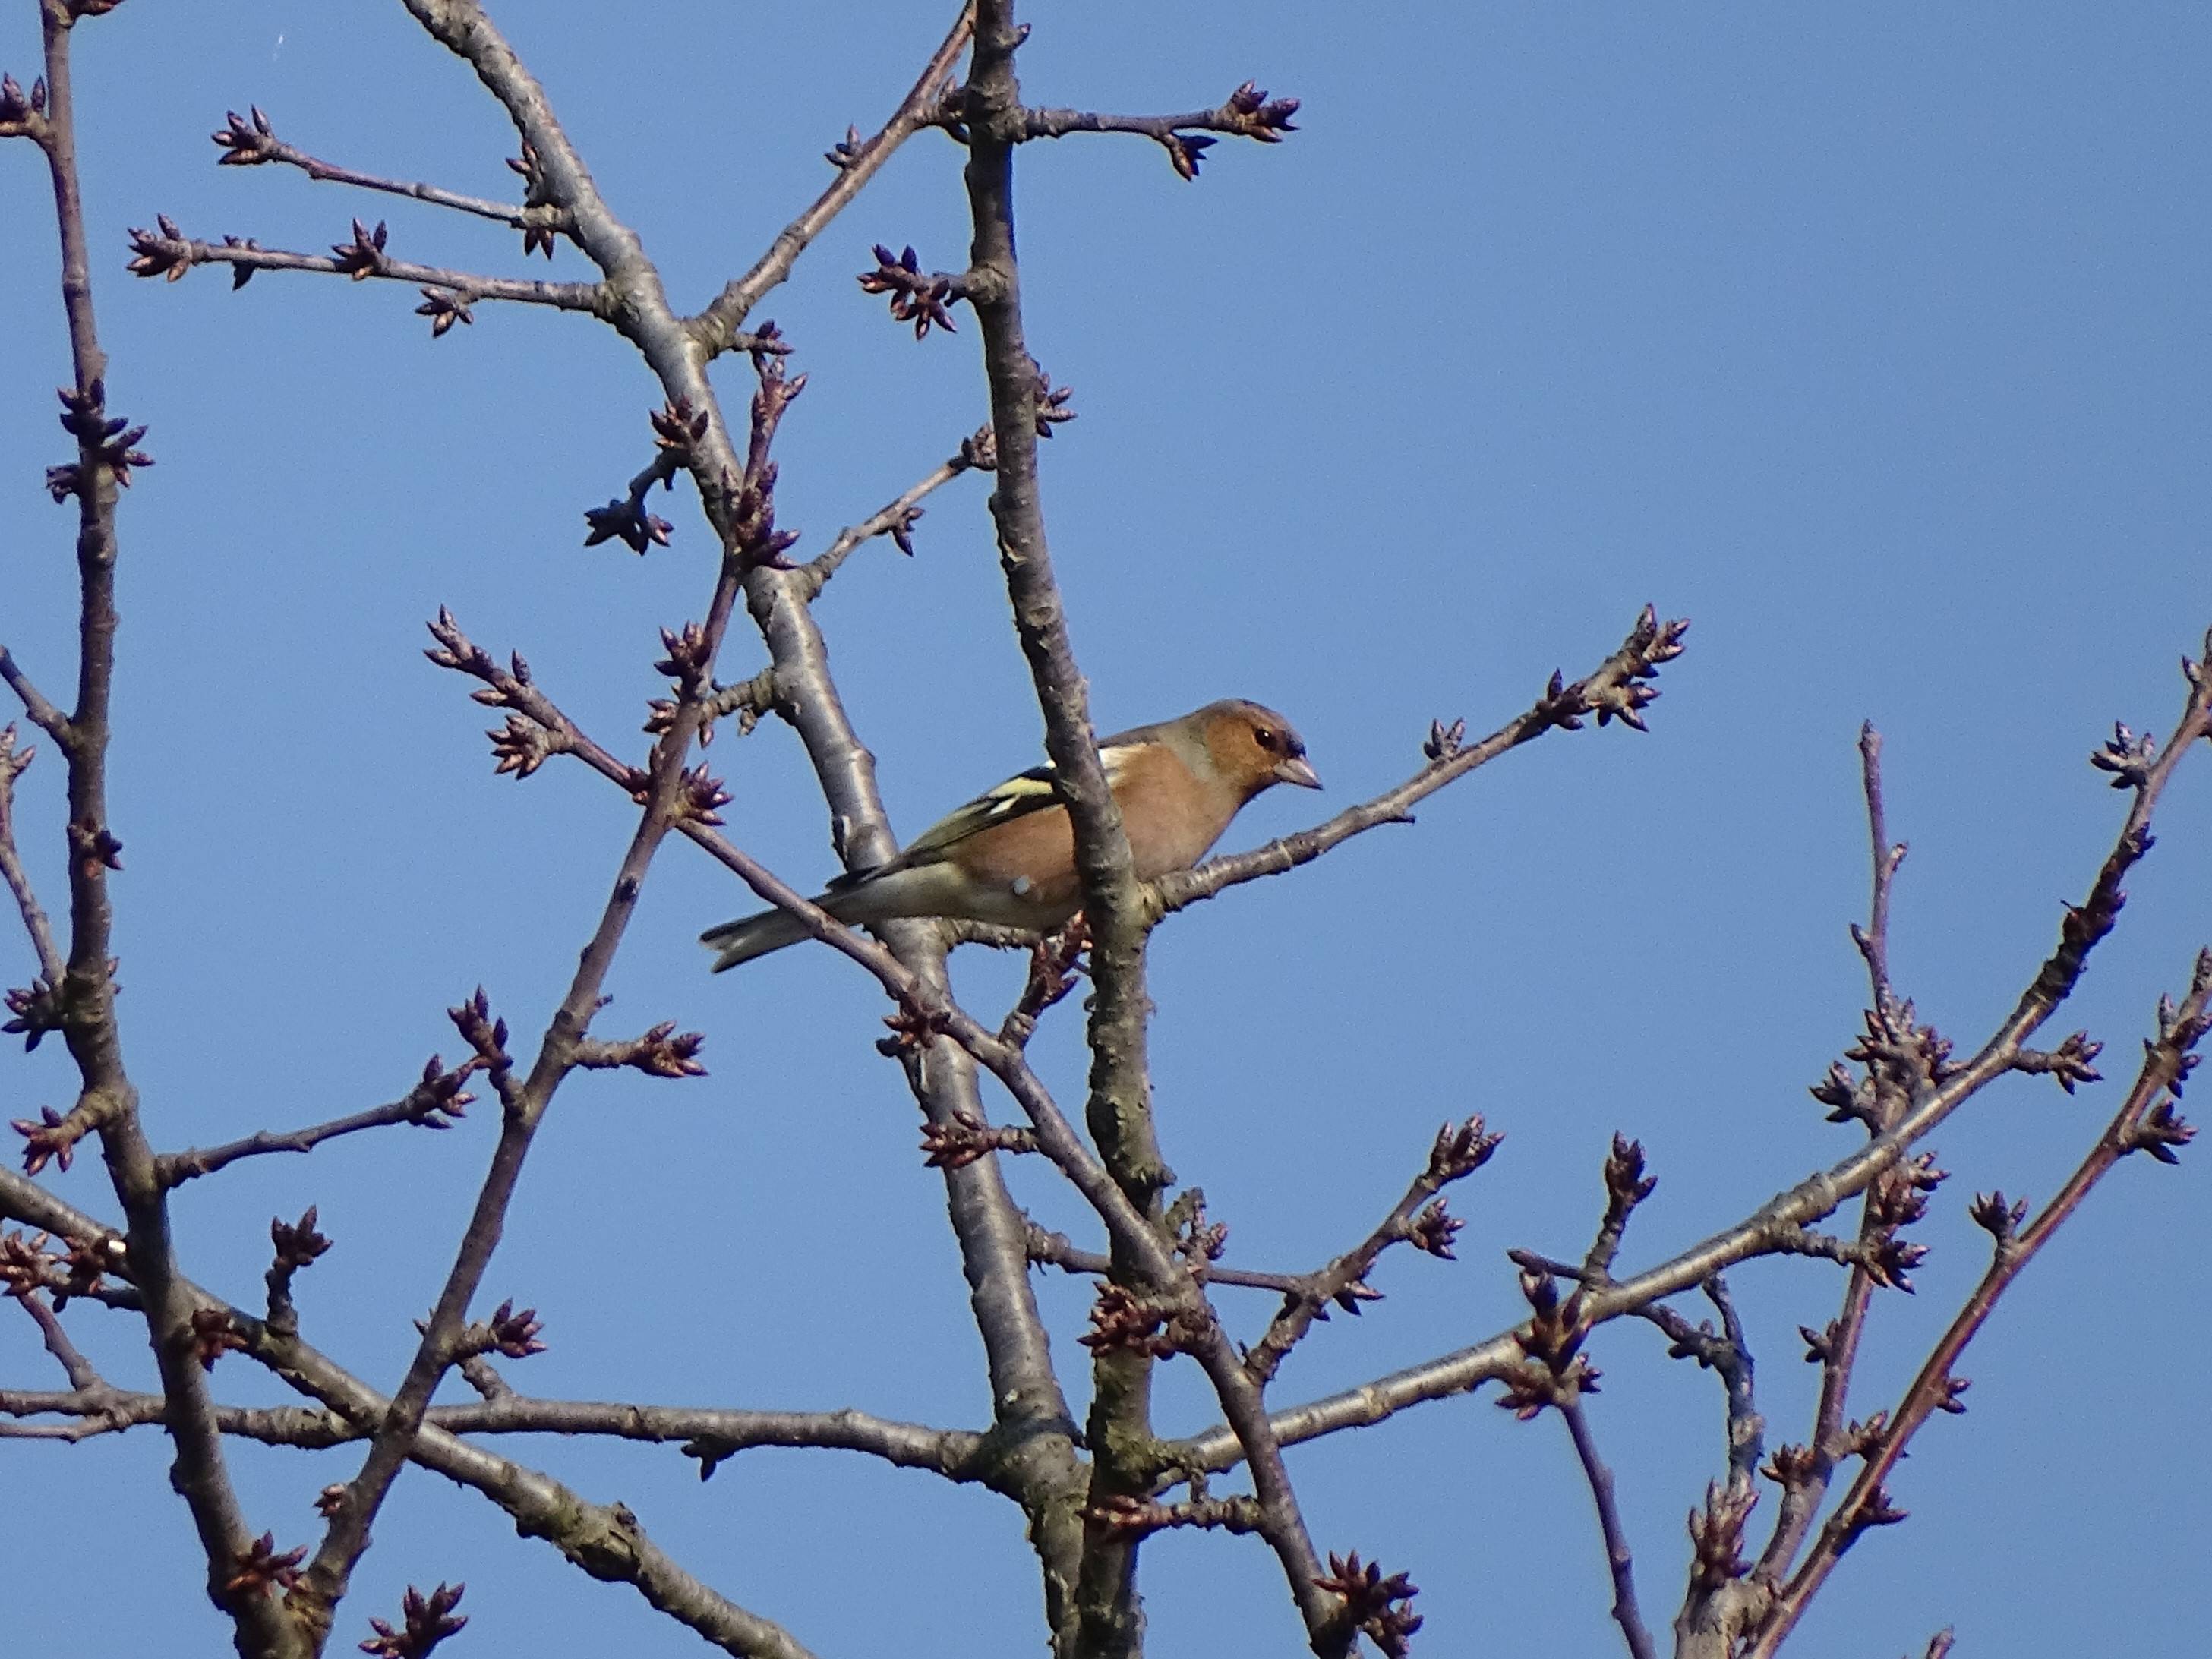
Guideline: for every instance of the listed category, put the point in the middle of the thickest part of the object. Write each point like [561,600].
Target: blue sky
[1870,339]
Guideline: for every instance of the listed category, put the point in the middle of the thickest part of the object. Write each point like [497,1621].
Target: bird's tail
[856,900]
[742,940]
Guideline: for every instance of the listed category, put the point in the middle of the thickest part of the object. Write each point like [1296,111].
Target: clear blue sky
[1871,337]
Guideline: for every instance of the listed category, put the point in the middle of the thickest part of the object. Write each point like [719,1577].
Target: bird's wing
[1016,798]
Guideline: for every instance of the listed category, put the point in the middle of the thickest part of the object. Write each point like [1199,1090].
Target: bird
[1008,856]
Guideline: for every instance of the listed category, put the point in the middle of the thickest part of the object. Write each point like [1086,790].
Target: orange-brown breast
[1173,816]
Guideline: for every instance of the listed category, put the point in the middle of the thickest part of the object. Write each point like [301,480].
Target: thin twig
[1805,1478]
[1620,1562]
[1874,939]
[12,762]
[1747,1428]
[432,1103]
[166,252]
[1247,113]
[1056,1250]
[44,715]
[715,328]
[1460,1150]
[708,1433]
[894,519]
[1627,1186]
[79,1369]
[250,141]
[1615,692]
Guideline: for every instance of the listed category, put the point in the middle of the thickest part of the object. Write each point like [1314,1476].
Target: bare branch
[2145,1121]
[250,140]
[1615,690]
[1895,1069]
[1119,1109]
[1777,1226]
[1746,1429]
[1024,1389]
[739,495]
[1619,1561]
[166,252]
[958,1141]
[1057,1251]
[1137,1516]
[1247,113]
[296,1245]
[1873,940]
[44,715]
[28,1297]
[605,1540]
[51,966]
[84,997]
[1053,969]
[660,1052]
[1459,1152]
[432,1103]
[710,1434]
[1627,1186]
[857,160]
[896,520]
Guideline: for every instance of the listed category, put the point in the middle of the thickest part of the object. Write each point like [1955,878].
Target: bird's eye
[1265,736]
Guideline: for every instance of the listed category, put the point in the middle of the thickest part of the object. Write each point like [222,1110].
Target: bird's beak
[1297,769]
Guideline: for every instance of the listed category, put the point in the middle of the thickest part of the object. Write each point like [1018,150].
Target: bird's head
[1256,747]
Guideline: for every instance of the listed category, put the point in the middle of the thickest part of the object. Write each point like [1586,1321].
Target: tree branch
[2144,1122]
[74,1364]
[1615,690]
[1247,113]
[52,968]
[894,519]
[1038,1454]
[1119,1428]
[1777,1227]
[85,993]
[1804,1477]
[1057,1251]
[1459,1151]
[711,1433]
[44,715]
[857,162]
[166,252]
[1119,1111]
[1873,940]
[606,1540]
[1619,1561]
[432,1103]
[738,492]
[251,141]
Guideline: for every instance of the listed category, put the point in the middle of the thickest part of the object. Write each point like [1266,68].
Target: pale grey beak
[1297,770]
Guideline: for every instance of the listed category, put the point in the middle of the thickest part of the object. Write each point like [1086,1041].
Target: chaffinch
[1008,856]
